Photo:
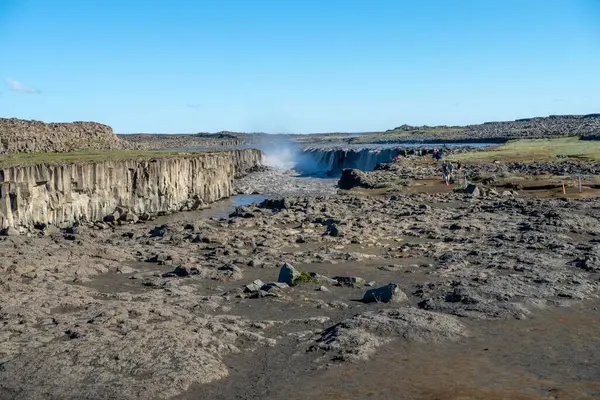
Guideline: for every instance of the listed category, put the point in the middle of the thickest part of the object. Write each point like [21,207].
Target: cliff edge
[63,194]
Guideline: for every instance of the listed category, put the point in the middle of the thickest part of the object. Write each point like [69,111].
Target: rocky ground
[177,141]
[28,136]
[274,181]
[384,294]
[495,131]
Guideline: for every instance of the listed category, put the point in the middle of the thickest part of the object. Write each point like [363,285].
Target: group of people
[449,170]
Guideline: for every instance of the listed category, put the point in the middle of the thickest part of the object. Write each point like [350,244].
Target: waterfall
[333,161]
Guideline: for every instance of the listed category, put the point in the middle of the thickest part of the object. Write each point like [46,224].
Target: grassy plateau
[531,150]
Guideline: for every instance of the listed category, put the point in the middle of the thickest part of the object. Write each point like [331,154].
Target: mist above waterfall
[283,153]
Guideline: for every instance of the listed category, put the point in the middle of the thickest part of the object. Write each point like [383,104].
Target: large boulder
[352,178]
[288,274]
[473,190]
[10,231]
[389,293]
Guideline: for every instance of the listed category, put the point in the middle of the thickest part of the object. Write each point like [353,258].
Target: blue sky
[297,66]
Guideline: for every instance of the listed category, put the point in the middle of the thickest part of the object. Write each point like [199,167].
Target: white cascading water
[333,161]
[287,155]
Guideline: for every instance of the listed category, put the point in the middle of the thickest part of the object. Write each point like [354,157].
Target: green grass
[394,134]
[304,277]
[538,150]
[89,156]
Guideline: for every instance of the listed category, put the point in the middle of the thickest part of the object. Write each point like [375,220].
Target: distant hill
[525,128]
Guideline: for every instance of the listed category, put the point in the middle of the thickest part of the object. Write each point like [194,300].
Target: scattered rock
[158,231]
[10,231]
[274,286]
[385,294]
[357,338]
[472,190]
[255,286]
[348,280]
[334,230]
[318,278]
[124,269]
[288,274]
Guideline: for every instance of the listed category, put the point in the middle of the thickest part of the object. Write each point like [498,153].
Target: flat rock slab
[357,338]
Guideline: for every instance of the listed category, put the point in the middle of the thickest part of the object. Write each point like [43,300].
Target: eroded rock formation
[63,194]
[24,136]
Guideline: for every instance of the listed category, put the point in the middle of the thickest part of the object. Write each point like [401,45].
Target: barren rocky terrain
[553,126]
[496,131]
[409,290]
[162,141]
[25,136]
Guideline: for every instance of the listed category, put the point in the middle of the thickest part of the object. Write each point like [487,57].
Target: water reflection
[217,210]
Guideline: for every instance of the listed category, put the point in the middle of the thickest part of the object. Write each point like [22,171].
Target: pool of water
[217,210]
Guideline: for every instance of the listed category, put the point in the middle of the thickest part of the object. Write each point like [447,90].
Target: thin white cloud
[16,86]
[196,106]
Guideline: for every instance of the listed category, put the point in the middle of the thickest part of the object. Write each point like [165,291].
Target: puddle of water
[369,271]
[117,283]
[217,210]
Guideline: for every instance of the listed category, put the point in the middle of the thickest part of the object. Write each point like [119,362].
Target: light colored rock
[255,286]
[63,194]
[275,285]
[385,294]
[113,359]
[125,269]
[24,136]
[51,230]
[318,278]
[10,231]
[357,338]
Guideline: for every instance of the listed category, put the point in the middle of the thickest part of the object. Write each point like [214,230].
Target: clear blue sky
[296,66]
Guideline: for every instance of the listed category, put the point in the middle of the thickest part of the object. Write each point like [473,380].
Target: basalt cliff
[63,194]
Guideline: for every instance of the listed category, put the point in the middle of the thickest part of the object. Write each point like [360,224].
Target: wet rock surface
[156,309]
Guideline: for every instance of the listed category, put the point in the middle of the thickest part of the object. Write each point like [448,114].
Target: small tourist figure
[445,173]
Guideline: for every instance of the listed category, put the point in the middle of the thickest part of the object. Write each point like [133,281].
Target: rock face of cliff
[63,194]
[23,136]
